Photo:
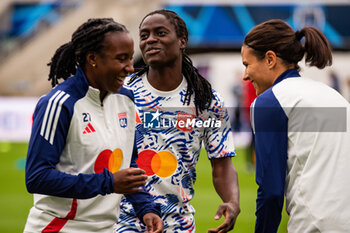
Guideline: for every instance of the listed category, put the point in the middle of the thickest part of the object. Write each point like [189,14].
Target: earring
[93,65]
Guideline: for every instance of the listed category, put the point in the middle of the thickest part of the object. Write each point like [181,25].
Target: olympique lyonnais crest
[123,122]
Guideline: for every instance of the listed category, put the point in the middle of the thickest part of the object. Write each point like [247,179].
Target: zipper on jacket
[104,114]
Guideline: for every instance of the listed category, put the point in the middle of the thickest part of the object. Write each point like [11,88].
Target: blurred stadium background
[31,31]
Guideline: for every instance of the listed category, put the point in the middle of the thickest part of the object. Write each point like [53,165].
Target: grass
[206,201]
[14,198]
[16,201]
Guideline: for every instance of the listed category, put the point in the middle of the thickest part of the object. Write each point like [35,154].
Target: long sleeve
[142,202]
[51,121]
[270,125]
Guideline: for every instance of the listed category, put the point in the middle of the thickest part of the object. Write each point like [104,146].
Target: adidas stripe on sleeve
[51,121]
[52,113]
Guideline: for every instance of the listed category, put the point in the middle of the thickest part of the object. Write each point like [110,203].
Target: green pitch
[15,201]
[206,200]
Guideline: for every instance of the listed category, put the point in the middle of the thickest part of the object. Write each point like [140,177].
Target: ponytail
[63,64]
[317,49]
[278,36]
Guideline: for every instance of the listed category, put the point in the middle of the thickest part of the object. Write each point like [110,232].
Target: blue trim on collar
[80,73]
[287,74]
[126,91]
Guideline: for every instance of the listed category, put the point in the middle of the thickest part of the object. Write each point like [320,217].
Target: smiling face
[159,43]
[113,63]
[257,71]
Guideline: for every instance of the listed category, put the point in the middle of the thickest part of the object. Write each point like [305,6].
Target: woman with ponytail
[301,131]
[173,100]
[81,156]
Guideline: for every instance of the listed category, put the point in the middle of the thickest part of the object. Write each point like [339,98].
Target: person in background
[81,147]
[348,85]
[301,130]
[169,92]
[249,96]
[334,81]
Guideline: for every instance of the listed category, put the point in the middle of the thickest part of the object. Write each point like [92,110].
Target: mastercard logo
[112,160]
[162,163]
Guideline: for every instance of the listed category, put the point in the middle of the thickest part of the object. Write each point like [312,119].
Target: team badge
[123,122]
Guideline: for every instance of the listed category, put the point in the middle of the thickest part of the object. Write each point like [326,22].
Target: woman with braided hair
[80,158]
[173,100]
[301,132]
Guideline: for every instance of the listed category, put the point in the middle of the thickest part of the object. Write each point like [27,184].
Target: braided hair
[197,85]
[88,37]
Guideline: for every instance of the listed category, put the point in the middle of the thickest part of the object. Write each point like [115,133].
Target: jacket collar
[291,73]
